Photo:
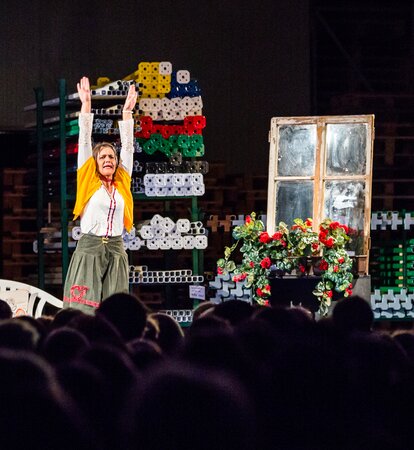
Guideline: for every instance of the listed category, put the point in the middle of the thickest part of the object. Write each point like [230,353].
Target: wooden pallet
[18,224]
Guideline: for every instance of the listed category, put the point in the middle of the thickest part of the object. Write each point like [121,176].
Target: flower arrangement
[286,250]
[336,265]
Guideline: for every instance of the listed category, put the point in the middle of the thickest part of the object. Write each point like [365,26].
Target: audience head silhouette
[126,313]
[353,314]
[5,310]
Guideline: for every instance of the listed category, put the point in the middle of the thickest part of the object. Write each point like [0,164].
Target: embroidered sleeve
[85,138]
[126,131]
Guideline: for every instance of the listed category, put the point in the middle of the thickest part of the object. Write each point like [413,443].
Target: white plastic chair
[37,297]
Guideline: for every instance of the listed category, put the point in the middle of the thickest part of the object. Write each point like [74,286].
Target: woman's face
[106,162]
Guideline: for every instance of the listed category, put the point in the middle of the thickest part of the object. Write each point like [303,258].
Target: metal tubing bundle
[137,146]
[154,79]
[183,85]
[138,166]
[227,289]
[177,184]
[391,220]
[178,108]
[188,146]
[392,304]
[137,185]
[133,244]
[76,233]
[173,167]
[180,315]
[192,124]
[144,276]
[114,88]
[162,233]
[115,110]
[102,126]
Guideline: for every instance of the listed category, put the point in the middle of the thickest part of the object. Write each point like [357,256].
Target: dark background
[251,60]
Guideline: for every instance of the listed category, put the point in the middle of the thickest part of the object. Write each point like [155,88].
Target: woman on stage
[99,265]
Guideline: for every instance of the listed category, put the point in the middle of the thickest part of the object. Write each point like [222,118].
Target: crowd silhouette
[240,377]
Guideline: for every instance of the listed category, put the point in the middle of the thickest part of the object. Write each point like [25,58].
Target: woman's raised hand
[84,92]
[131,99]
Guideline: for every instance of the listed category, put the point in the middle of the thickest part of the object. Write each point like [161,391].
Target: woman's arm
[130,103]
[85,122]
[85,97]
[126,130]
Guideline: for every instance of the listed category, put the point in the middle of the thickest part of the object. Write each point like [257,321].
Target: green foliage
[284,251]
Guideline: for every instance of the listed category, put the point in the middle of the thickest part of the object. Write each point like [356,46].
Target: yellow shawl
[88,182]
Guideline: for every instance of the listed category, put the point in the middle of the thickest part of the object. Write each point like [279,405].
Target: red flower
[251,264]
[283,243]
[302,268]
[334,225]
[341,260]
[308,222]
[329,242]
[350,286]
[277,236]
[248,220]
[348,291]
[329,294]
[265,263]
[336,268]
[315,247]
[263,292]
[264,237]
[323,265]
[345,228]
[295,227]
[240,277]
[266,303]
[219,270]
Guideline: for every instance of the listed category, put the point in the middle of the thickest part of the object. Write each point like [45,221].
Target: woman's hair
[98,147]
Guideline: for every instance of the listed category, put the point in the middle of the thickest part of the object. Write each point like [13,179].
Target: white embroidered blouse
[103,215]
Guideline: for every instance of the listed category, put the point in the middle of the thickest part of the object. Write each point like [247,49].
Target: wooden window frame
[320,177]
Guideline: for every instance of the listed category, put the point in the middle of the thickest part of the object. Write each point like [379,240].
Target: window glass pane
[346,148]
[345,203]
[294,199]
[297,148]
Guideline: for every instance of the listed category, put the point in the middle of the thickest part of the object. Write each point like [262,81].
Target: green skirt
[98,269]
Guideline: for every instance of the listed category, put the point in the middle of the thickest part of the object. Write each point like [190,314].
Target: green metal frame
[63,179]
[39,93]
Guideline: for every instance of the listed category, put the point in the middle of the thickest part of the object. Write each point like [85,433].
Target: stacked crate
[392,265]
[18,224]
[387,265]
